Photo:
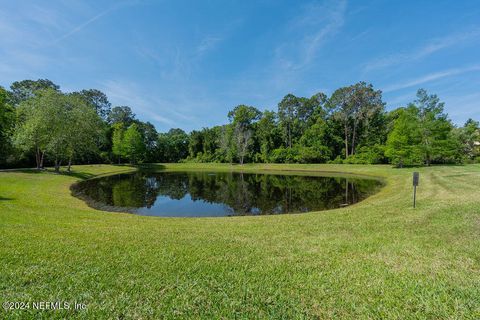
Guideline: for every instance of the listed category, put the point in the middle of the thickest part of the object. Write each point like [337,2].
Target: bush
[283,155]
[337,160]
[312,155]
[368,155]
[299,154]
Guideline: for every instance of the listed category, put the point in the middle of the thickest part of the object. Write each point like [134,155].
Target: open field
[377,259]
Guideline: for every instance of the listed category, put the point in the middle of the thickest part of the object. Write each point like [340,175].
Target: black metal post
[414,195]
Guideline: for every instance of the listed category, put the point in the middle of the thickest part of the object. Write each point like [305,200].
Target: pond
[211,194]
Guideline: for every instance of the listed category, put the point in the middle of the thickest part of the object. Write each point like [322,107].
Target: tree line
[41,125]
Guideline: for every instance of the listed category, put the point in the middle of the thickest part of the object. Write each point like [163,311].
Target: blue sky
[186,63]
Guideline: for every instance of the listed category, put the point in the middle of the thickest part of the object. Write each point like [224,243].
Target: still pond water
[210,194]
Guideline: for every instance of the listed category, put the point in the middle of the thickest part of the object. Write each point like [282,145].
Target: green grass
[377,259]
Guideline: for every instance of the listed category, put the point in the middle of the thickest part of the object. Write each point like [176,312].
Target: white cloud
[317,24]
[168,113]
[122,93]
[208,43]
[463,107]
[430,77]
[82,26]
[430,47]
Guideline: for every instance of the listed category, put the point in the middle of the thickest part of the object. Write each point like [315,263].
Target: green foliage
[295,114]
[268,135]
[122,114]
[403,142]
[350,126]
[26,89]
[284,155]
[7,123]
[133,144]
[172,146]
[368,155]
[37,118]
[97,100]
[150,140]
[242,120]
[422,134]
[469,138]
[84,129]
[59,125]
[359,110]
[118,147]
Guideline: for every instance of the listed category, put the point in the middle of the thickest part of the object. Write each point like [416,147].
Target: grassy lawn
[377,259]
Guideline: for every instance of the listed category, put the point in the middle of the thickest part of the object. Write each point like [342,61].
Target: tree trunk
[41,159]
[57,165]
[352,152]
[289,137]
[346,141]
[69,165]
[37,158]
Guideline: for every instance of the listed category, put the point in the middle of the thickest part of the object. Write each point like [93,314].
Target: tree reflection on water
[239,193]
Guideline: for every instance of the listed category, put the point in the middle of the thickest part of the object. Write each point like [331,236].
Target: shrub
[368,155]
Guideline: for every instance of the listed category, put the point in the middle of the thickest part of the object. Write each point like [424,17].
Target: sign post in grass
[416,178]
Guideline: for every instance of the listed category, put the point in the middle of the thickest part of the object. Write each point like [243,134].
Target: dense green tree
[173,146]
[423,134]
[469,136]
[121,114]
[312,147]
[437,142]
[242,119]
[403,143]
[295,114]
[208,145]
[349,127]
[268,134]
[134,147]
[287,110]
[26,89]
[84,128]
[34,128]
[7,123]
[56,124]
[118,146]
[356,108]
[150,140]
[97,100]
[195,144]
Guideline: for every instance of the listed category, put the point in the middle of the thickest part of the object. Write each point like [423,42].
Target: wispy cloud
[207,43]
[462,107]
[431,77]
[430,47]
[402,99]
[168,113]
[82,25]
[122,93]
[309,31]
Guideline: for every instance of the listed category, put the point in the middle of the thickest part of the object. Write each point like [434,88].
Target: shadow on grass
[5,199]
[84,175]
[79,175]
[29,170]
[143,167]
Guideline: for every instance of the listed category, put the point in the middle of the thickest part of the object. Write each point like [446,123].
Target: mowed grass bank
[377,259]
